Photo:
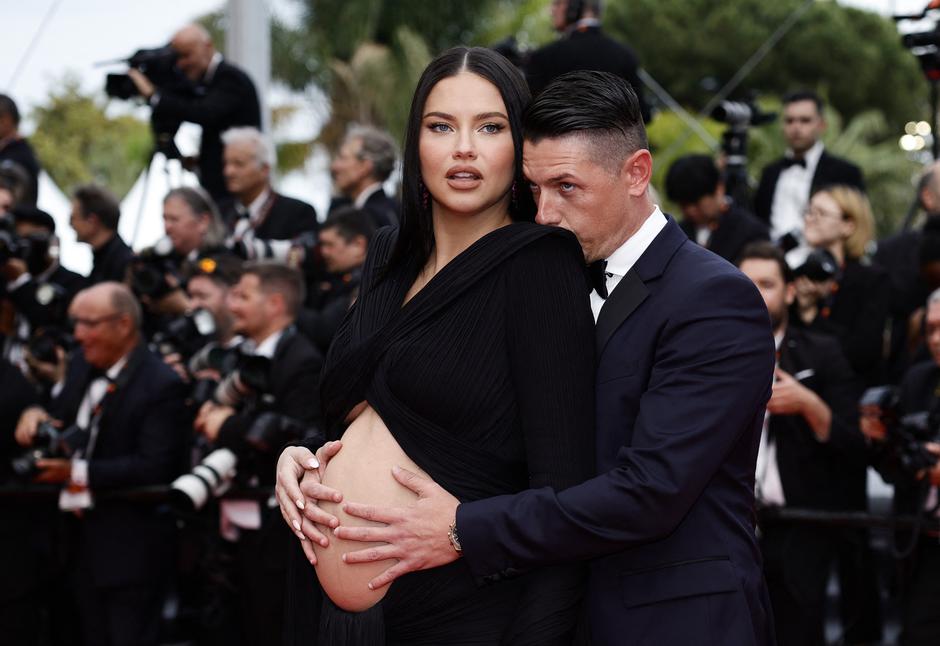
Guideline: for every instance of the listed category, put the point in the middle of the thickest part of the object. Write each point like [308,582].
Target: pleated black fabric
[485,379]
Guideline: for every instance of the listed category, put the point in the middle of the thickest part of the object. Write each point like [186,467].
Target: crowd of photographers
[193,362]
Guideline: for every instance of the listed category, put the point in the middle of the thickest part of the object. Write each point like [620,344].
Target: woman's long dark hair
[416,235]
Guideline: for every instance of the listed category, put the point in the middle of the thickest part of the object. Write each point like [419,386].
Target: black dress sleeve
[551,344]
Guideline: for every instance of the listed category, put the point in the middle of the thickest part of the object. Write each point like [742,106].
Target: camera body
[906,432]
[158,63]
[185,335]
[819,266]
[149,269]
[32,249]
[49,442]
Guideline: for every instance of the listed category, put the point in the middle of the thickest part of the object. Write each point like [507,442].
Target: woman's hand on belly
[299,488]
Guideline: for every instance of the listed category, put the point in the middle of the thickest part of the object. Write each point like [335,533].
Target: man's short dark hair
[805,95]
[278,278]
[223,269]
[763,250]
[97,200]
[692,177]
[8,106]
[31,215]
[599,106]
[349,223]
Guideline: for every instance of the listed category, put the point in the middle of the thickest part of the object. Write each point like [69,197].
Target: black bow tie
[793,161]
[597,273]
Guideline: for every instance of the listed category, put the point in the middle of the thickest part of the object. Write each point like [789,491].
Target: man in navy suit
[685,363]
[132,406]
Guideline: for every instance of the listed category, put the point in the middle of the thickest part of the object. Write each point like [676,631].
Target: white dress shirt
[243,224]
[791,194]
[768,487]
[366,194]
[622,260]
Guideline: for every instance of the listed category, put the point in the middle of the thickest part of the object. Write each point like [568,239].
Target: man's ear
[637,171]
[790,294]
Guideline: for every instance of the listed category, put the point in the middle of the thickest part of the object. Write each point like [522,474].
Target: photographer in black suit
[583,46]
[257,213]
[16,149]
[786,184]
[223,97]
[810,433]
[130,406]
[915,489]
[710,216]
[264,305]
[95,216]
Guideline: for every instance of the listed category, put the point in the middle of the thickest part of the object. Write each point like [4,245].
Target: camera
[49,442]
[819,266]
[247,384]
[158,63]
[150,267]
[44,342]
[209,479]
[739,116]
[32,249]
[906,433]
[186,334]
[742,114]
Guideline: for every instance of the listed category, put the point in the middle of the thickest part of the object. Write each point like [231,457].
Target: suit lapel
[626,297]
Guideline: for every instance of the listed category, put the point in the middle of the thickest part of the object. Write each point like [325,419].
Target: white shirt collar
[366,194]
[811,156]
[116,369]
[213,66]
[267,347]
[254,209]
[622,260]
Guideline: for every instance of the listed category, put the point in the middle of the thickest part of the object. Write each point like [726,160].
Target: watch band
[454,539]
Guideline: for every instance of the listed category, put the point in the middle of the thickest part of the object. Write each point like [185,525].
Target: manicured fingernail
[344,558]
[334,523]
[300,503]
[325,543]
[301,536]
[370,587]
[296,525]
[313,463]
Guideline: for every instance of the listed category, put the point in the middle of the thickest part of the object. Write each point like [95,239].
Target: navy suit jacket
[685,364]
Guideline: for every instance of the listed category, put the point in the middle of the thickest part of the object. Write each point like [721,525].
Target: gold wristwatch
[452,535]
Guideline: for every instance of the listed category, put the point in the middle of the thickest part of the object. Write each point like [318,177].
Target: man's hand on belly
[298,490]
[417,535]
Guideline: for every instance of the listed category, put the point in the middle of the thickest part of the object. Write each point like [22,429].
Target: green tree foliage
[853,57]
[77,142]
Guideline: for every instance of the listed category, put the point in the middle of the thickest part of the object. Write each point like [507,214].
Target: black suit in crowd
[381,208]
[24,548]
[261,556]
[20,152]
[226,100]
[814,475]
[899,255]
[856,316]
[327,304]
[124,551]
[829,171]
[920,572]
[736,229]
[110,261]
[283,218]
[585,49]
[29,299]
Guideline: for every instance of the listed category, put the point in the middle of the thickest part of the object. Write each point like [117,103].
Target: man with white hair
[257,211]
[364,162]
[223,96]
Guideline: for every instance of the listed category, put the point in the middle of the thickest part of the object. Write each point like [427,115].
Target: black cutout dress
[486,380]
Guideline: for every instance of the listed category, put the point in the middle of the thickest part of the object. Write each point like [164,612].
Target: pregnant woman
[468,357]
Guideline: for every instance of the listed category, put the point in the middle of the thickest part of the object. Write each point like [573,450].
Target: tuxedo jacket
[20,152]
[294,387]
[585,49]
[228,100]
[685,362]
[110,261]
[142,439]
[821,475]
[736,229]
[829,171]
[381,208]
[287,218]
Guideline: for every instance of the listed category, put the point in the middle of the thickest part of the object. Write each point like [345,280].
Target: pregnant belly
[362,471]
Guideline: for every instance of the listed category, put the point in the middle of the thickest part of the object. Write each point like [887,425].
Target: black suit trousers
[921,597]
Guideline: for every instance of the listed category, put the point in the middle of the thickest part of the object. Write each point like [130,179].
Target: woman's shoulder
[543,245]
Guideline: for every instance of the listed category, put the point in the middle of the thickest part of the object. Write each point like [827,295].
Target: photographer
[710,217]
[852,304]
[257,213]
[908,466]
[223,96]
[15,148]
[95,216]
[344,243]
[264,305]
[810,436]
[118,423]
